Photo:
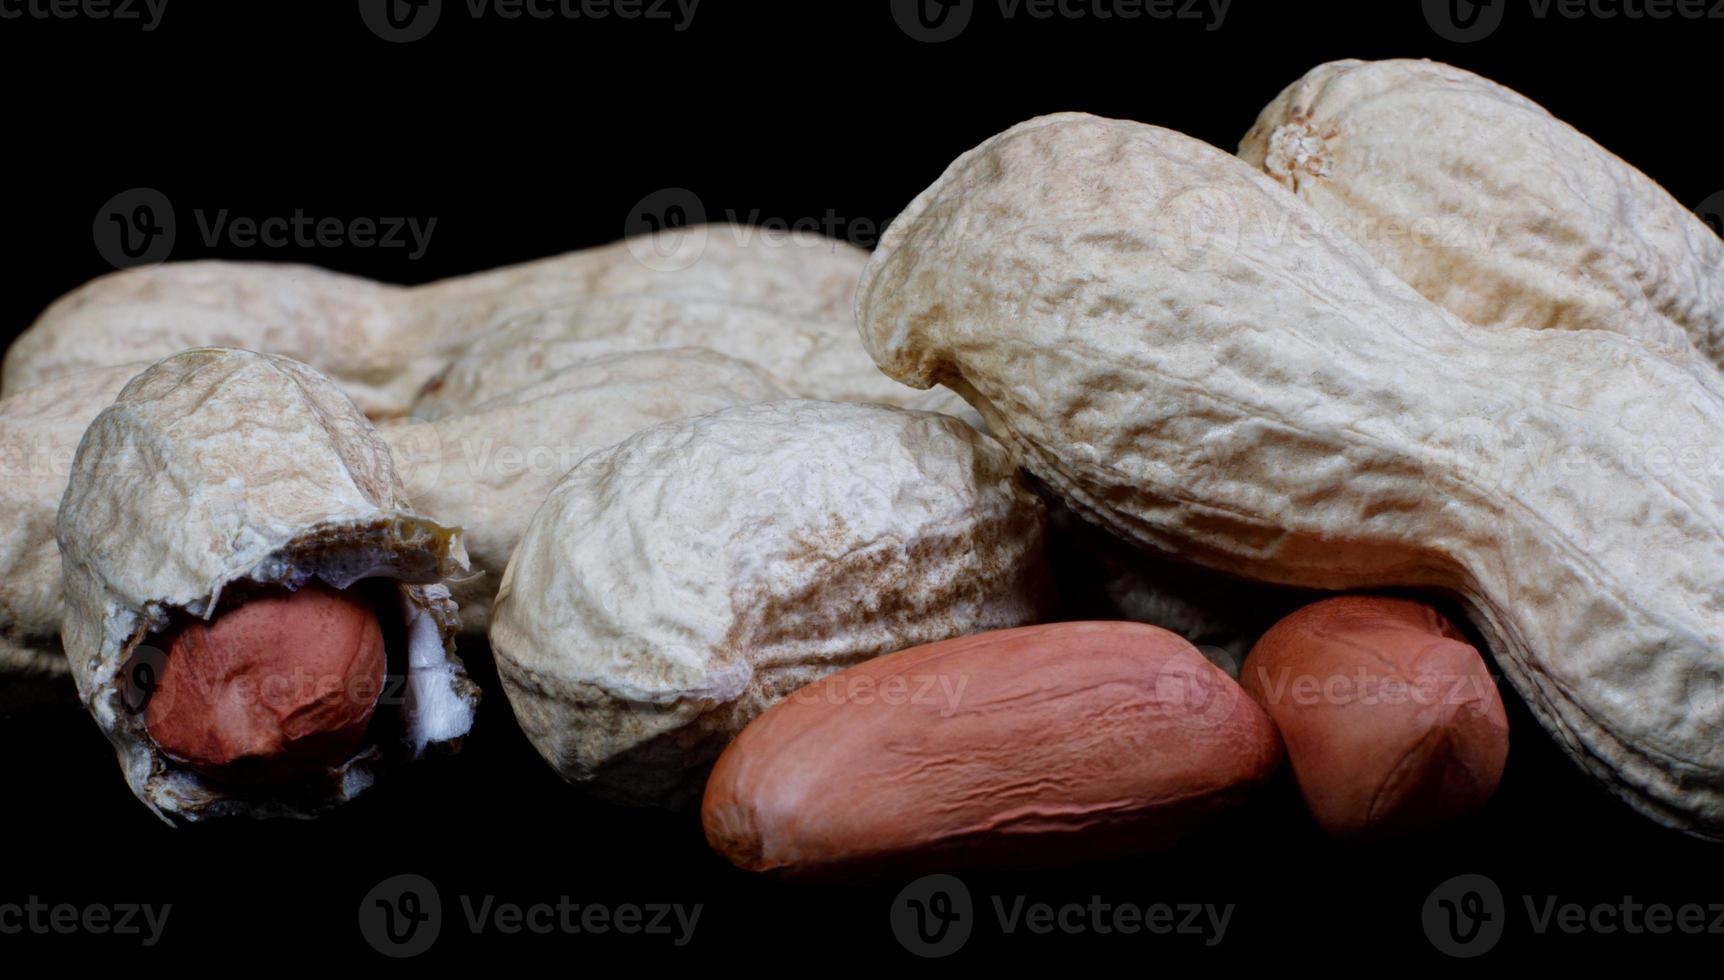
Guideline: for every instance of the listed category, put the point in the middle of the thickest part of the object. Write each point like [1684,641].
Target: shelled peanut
[1071,741]
[1392,722]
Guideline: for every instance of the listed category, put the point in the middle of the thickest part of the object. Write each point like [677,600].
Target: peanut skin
[1021,746]
[1392,722]
[277,688]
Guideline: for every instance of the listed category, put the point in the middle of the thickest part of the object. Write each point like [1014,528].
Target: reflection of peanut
[1030,744]
[280,687]
[1392,722]
[1492,207]
[1284,413]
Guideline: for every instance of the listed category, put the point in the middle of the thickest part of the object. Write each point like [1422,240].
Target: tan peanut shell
[216,469]
[813,357]
[1121,304]
[382,343]
[794,274]
[675,585]
[344,325]
[1082,740]
[1490,206]
[486,470]
[39,432]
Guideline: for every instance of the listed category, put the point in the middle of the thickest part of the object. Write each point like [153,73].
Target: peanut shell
[487,470]
[1125,307]
[218,469]
[39,433]
[1490,206]
[673,586]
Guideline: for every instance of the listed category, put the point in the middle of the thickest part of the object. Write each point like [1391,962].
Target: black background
[525,138]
